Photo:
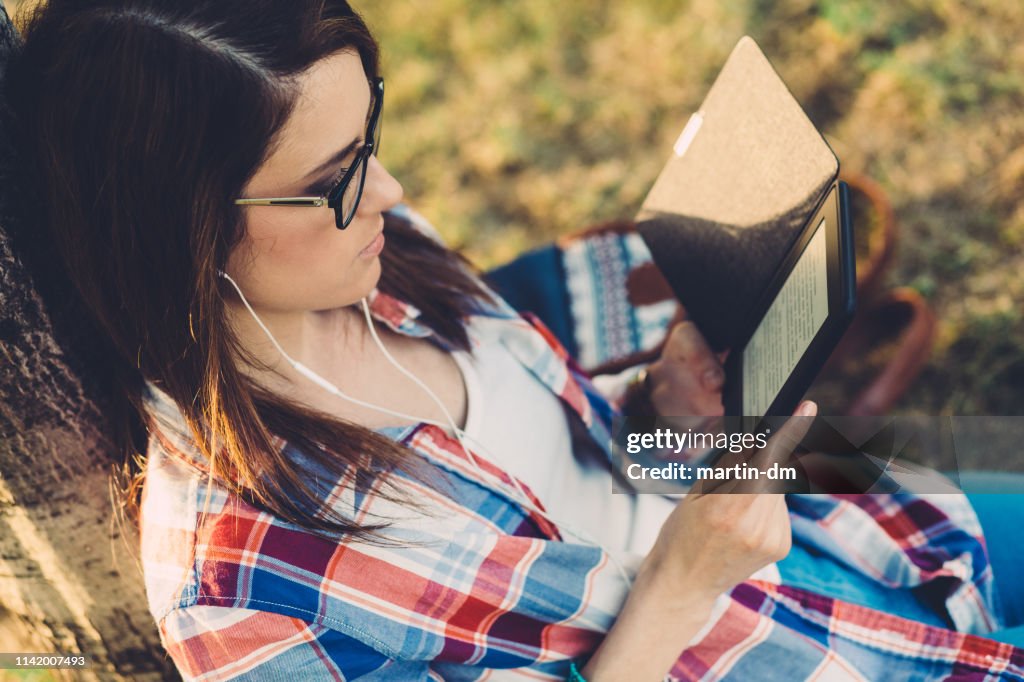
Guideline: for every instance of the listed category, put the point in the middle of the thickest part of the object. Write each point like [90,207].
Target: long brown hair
[139,121]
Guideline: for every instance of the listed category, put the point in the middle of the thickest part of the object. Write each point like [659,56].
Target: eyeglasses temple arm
[283,201]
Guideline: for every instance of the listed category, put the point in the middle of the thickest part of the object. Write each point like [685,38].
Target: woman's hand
[712,541]
[717,538]
[687,379]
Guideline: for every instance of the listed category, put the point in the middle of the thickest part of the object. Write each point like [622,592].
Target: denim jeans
[998,500]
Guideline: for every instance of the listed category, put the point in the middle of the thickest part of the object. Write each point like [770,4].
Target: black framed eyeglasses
[345,194]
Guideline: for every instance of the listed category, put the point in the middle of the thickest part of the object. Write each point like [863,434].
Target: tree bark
[70,581]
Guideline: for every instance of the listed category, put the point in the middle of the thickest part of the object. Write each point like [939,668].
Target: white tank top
[515,421]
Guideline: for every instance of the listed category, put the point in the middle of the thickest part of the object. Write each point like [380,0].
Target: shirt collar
[397,315]
[167,427]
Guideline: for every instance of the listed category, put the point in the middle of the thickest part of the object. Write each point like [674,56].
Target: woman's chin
[356,291]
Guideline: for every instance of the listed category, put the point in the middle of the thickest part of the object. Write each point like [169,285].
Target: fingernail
[807,409]
[713,379]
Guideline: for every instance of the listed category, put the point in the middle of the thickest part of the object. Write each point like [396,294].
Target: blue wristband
[574,674]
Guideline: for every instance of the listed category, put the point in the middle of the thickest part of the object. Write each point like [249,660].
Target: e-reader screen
[788,327]
[799,318]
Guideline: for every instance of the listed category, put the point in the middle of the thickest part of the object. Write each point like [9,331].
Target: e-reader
[750,226]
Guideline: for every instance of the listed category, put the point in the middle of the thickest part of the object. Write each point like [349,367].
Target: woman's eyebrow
[333,161]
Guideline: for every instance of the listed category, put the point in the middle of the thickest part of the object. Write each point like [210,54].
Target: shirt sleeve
[226,643]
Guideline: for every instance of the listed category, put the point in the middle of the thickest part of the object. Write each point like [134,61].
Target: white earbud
[459,434]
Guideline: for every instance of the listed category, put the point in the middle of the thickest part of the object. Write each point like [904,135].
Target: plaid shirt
[478,587]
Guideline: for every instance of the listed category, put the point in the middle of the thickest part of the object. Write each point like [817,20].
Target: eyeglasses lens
[353,192]
[345,211]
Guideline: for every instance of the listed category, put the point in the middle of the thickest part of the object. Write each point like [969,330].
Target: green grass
[510,123]
[28,676]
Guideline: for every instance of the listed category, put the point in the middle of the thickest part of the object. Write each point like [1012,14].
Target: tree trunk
[70,581]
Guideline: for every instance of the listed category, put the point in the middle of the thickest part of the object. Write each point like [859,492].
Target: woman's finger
[777,451]
[784,441]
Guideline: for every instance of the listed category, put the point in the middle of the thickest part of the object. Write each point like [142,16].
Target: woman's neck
[337,345]
[315,338]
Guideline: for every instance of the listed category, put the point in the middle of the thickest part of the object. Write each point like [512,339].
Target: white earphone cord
[460,435]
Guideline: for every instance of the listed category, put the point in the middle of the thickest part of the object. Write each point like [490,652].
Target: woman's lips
[375,247]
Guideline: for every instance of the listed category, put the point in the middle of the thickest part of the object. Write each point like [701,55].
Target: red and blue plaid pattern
[474,585]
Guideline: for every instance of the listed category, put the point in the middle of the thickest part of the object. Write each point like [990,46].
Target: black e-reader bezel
[834,209]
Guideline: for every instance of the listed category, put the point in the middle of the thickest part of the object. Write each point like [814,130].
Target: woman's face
[294,259]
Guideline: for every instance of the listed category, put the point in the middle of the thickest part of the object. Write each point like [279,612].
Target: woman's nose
[382,192]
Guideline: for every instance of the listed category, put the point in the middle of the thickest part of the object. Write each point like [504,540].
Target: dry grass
[512,122]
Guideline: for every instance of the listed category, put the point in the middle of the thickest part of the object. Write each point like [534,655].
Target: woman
[332,486]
